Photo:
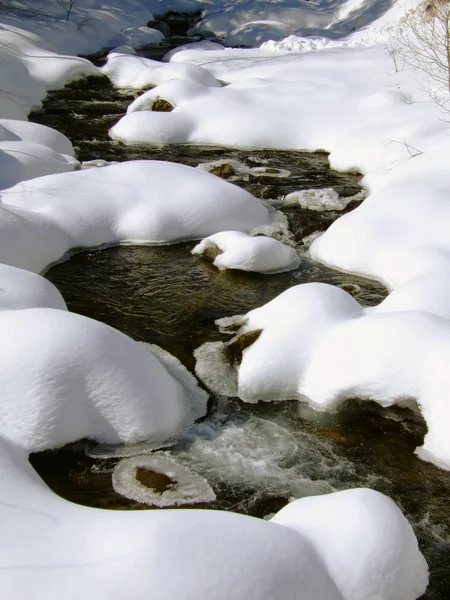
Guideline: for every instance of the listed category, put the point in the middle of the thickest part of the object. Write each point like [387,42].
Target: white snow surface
[29,150]
[333,524]
[260,254]
[65,377]
[136,201]
[242,557]
[22,289]
[130,71]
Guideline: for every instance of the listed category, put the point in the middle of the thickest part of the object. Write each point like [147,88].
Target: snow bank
[387,565]
[237,250]
[315,343]
[65,377]
[242,557]
[139,201]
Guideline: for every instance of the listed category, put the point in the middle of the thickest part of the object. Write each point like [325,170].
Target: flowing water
[255,457]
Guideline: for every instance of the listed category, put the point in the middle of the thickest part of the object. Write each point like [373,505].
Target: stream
[255,457]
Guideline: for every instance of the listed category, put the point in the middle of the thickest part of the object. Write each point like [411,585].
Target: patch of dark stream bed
[255,457]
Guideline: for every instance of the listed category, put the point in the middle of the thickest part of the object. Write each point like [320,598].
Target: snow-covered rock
[22,289]
[137,37]
[237,250]
[388,564]
[126,70]
[139,201]
[66,377]
[315,343]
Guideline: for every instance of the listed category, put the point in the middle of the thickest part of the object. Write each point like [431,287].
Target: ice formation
[237,250]
[186,487]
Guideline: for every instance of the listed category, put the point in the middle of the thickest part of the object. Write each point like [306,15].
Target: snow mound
[253,33]
[158,128]
[137,72]
[29,240]
[315,343]
[139,201]
[387,565]
[203,45]
[20,161]
[237,250]
[15,131]
[65,377]
[186,486]
[21,289]
[242,558]
[175,91]
[136,37]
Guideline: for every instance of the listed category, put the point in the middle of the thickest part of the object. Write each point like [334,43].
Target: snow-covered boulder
[237,250]
[65,377]
[315,343]
[15,131]
[126,70]
[368,548]
[22,289]
[139,201]
[137,37]
[29,150]
[175,91]
[29,240]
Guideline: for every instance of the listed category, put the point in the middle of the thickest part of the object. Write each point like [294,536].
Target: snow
[21,289]
[136,37]
[166,203]
[137,72]
[29,150]
[403,572]
[65,377]
[238,250]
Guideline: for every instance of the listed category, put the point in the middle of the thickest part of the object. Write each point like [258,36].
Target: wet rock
[158,482]
[234,349]
[161,105]
[225,170]
[211,252]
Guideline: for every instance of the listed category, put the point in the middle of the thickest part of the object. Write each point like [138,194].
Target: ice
[320,199]
[186,488]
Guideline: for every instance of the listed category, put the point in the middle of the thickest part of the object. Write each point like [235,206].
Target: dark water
[254,456]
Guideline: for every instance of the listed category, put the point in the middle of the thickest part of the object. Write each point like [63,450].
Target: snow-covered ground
[64,376]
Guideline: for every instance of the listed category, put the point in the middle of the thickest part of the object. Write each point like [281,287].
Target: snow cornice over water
[64,377]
